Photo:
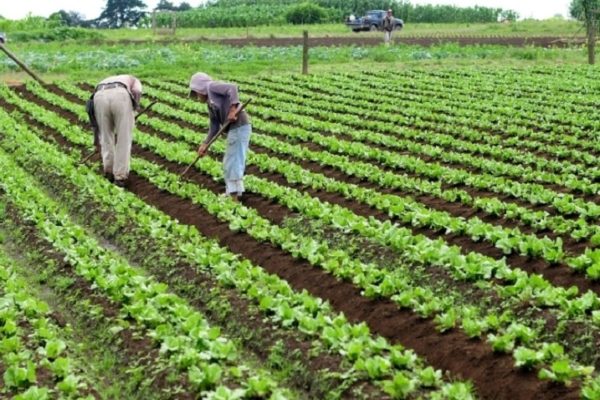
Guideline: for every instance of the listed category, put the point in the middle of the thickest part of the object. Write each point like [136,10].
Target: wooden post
[20,64]
[154,22]
[174,23]
[305,54]
[592,28]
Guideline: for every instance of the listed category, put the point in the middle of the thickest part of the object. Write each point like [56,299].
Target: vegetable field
[412,234]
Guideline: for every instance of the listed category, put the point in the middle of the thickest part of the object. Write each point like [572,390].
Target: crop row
[533,193]
[184,335]
[344,94]
[549,116]
[183,159]
[400,207]
[510,111]
[31,343]
[311,316]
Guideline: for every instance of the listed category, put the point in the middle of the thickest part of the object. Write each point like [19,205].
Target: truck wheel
[373,28]
[355,30]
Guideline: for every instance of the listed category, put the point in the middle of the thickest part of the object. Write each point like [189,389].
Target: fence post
[592,28]
[305,54]
[154,22]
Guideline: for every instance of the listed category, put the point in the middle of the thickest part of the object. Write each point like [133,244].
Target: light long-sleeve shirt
[133,85]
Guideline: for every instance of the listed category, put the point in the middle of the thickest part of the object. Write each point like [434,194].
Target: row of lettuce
[211,361]
[404,208]
[503,334]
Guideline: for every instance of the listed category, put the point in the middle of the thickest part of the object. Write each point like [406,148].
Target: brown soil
[127,343]
[452,351]
[559,275]
[400,111]
[530,124]
[358,40]
[483,193]
[264,336]
[256,332]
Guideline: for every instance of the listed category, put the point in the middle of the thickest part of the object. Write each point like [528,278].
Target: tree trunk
[592,42]
[591,13]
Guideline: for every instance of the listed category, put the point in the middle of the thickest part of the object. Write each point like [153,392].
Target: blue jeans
[234,160]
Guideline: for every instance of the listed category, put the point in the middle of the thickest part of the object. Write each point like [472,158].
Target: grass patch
[57,61]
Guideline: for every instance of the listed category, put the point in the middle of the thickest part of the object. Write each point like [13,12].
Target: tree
[68,18]
[591,10]
[305,13]
[184,6]
[588,11]
[165,5]
[508,15]
[576,9]
[120,13]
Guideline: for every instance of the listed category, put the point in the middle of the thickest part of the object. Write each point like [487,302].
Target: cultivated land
[426,228]
[441,240]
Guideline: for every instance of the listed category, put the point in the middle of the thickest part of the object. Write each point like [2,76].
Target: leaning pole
[20,64]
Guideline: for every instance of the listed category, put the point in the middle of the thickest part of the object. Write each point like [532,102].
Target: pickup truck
[372,21]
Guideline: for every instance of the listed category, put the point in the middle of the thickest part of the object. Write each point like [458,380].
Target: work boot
[121,183]
[109,176]
[236,196]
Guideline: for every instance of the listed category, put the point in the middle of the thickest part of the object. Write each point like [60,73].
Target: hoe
[219,133]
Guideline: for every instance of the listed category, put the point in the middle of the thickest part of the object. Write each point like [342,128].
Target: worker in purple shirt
[222,100]
[116,99]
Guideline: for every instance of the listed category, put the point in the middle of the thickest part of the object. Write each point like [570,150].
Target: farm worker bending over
[388,27]
[222,101]
[115,100]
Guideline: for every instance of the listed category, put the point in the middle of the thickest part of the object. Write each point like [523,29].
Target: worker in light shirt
[116,99]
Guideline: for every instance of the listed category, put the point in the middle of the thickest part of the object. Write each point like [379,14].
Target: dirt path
[358,40]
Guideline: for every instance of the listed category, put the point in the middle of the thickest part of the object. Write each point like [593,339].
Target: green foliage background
[240,13]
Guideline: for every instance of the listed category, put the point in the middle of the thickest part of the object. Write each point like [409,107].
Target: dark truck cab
[372,21]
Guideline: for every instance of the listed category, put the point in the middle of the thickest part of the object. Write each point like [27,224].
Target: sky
[17,9]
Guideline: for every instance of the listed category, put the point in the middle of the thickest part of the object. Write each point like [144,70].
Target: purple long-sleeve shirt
[221,96]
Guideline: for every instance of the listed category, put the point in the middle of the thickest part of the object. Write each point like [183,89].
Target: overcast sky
[16,9]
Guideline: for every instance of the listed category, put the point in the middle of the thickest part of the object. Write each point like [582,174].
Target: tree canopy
[120,13]
[166,5]
[68,18]
[577,9]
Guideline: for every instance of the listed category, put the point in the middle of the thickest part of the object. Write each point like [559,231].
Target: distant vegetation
[43,29]
[64,25]
[240,13]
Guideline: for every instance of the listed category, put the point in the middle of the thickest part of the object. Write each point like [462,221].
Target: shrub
[56,34]
[305,13]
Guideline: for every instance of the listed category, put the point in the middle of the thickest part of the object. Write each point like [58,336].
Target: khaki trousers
[387,37]
[114,113]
